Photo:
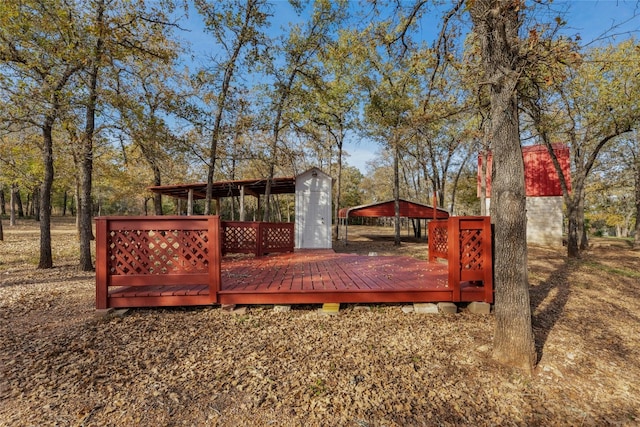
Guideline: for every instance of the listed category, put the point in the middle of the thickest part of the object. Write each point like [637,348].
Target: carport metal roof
[254,187]
[387,209]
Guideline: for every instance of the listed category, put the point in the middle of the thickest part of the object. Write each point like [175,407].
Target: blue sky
[589,18]
[592,18]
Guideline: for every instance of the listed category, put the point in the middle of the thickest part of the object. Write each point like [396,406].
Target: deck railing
[438,239]
[257,238]
[466,243]
[178,259]
[160,251]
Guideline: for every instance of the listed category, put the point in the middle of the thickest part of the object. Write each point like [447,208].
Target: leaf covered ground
[60,364]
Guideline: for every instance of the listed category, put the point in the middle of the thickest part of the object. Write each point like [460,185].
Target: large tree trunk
[76,198]
[573,250]
[34,209]
[12,206]
[46,257]
[18,202]
[496,23]
[3,202]
[274,148]
[243,38]
[65,201]
[85,207]
[483,183]
[86,155]
[582,226]
[157,197]
[513,340]
[636,240]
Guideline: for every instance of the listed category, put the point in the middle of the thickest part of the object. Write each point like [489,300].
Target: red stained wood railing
[466,243]
[257,238]
[160,251]
[438,247]
[163,261]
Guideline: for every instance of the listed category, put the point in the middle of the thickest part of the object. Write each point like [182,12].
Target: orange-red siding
[541,178]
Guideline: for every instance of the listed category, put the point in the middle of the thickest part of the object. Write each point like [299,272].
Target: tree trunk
[266,204]
[157,197]
[496,23]
[85,207]
[46,257]
[396,192]
[636,239]
[573,250]
[86,154]
[65,200]
[582,226]
[76,197]
[18,200]
[513,339]
[242,39]
[3,202]
[456,180]
[336,228]
[12,206]
[35,205]
[483,183]
[1,230]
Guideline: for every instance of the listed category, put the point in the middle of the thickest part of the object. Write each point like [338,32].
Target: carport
[408,209]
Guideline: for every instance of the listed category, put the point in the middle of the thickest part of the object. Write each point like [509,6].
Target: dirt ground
[62,365]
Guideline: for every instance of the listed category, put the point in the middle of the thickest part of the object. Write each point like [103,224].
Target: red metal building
[540,176]
[543,191]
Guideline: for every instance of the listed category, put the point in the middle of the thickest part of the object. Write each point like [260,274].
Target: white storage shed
[313,210]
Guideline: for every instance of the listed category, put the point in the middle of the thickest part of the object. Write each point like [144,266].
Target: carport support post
[242,203]
[346,229]
[190,202]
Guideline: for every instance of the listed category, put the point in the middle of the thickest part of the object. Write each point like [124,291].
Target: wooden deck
[308,277]
[176,261]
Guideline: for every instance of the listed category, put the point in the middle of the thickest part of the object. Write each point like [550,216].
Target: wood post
[242,203]
[101,264]
[190,202]
[453,257]
[215,257]
[469,253]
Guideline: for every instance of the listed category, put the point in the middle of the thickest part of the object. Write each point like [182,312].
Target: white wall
[544,220]
[313,210]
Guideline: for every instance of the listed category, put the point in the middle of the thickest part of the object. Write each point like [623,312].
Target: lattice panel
[471,249]
[240,239]
[157,251]
[278,238]
[439,242]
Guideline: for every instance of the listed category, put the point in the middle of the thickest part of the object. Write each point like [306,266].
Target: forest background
[104,98]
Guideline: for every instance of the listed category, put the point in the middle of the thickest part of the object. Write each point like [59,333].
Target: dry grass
[62,365]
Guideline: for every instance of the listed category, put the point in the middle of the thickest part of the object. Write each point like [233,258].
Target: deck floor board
[315,276]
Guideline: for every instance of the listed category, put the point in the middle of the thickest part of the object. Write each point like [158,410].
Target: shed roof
[254,187]
[387,209]
[540,176]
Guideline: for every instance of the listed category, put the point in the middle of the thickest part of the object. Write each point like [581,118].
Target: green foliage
[294,101]
[351,187]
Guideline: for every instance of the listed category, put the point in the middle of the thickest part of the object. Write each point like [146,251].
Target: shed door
[315,232]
